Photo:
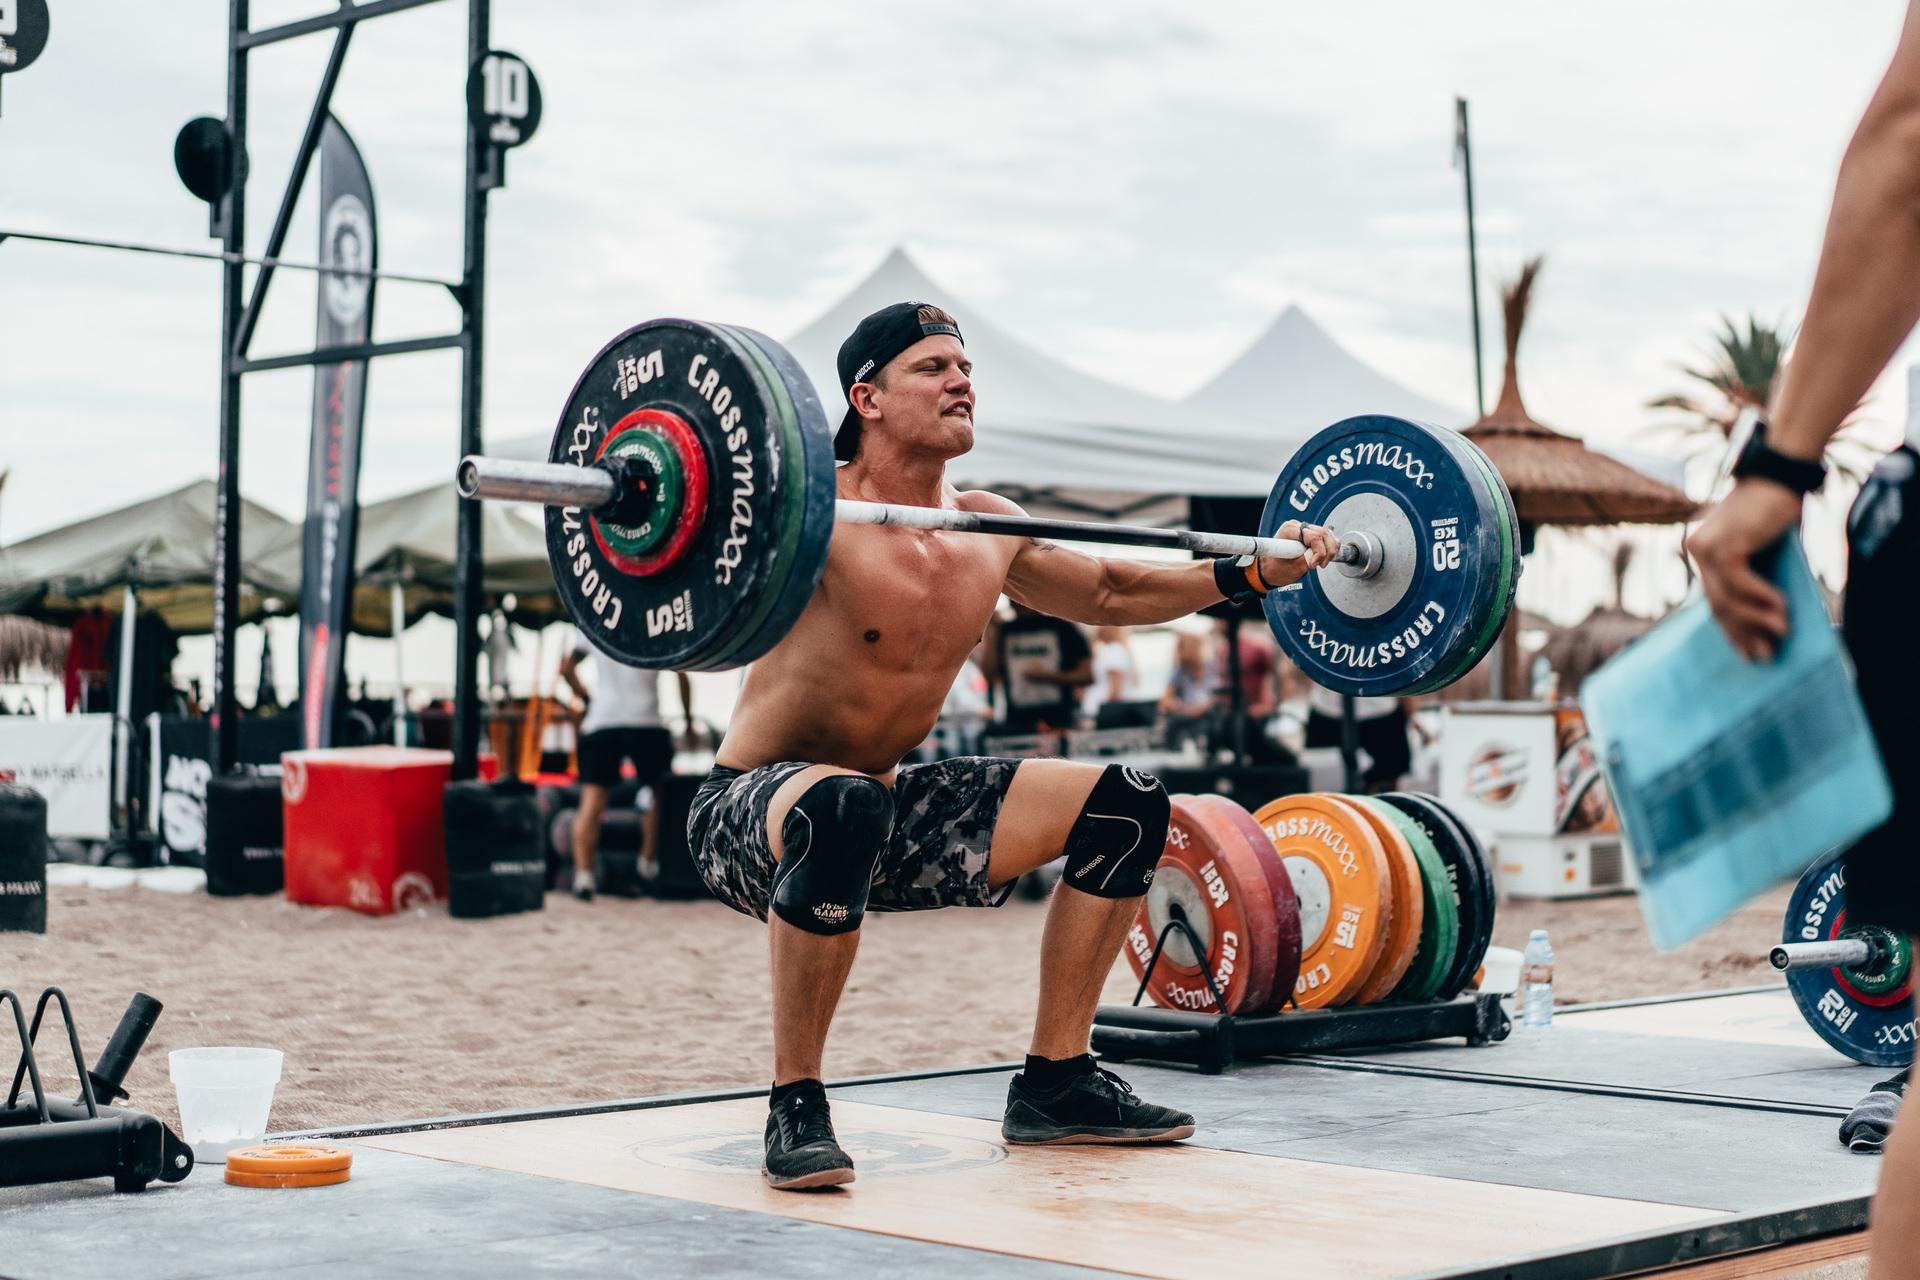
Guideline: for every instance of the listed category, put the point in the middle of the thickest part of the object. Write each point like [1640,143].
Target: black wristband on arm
[1760,459]
[1230,576]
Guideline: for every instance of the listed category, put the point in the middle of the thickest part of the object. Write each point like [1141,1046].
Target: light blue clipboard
[1728,775]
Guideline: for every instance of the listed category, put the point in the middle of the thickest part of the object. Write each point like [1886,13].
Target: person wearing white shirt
[1116,676]
[621,722]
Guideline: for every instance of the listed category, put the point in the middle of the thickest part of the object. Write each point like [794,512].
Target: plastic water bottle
[1536,990]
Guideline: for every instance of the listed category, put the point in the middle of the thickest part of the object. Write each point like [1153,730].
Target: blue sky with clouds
[1136,187]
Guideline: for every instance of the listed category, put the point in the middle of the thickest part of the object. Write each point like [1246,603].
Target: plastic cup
[225,1094]
[1503,970]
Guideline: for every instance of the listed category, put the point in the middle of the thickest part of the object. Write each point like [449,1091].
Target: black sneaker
[801,1150]
[1097,1106]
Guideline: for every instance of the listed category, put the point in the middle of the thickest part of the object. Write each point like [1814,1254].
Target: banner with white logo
[345,315]
[181,753]
[70,762]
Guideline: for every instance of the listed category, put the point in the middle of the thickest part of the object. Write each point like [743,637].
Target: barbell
[690,498]
[603,490]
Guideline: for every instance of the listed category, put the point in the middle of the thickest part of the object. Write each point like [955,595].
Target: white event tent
[1298,378]
[1060,442]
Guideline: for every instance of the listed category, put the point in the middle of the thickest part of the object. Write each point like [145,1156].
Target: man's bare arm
[1866,297]
[1097,591]
[1103,590]
[570,672]
[1866,291]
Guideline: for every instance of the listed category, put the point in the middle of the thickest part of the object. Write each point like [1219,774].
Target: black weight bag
[246,850]
[23,860]
[678,876]
[496,849]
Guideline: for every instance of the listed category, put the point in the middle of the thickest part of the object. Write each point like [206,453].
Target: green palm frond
[1742,366]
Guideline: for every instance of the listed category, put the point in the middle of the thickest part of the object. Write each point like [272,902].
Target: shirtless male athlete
[807,820]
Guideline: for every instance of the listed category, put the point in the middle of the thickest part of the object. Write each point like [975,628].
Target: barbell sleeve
[553,484]
[590,488]
[1841,953]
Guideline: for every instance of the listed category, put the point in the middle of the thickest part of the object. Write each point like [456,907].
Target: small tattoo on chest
[872,637]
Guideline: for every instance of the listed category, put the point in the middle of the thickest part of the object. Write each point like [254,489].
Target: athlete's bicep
[1056,580]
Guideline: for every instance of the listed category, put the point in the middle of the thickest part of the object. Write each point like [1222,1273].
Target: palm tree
[1741,370]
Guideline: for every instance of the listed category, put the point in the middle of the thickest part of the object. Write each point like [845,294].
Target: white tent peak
[998,355]
[1011,375]
[1051,436]
[898,274]
[1299,373]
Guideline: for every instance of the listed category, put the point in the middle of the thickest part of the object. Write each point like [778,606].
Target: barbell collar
[1360,554]
[1842,953]
[636,483]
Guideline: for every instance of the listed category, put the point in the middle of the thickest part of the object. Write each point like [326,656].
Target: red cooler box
[364,827]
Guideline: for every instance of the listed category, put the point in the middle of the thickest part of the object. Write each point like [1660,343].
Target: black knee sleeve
[829,842]
[1116,841]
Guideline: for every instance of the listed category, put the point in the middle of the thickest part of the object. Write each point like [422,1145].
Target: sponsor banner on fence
[68,761]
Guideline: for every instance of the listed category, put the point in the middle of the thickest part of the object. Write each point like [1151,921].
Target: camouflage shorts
[936,856]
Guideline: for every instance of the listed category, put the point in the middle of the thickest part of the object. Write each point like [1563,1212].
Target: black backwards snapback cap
[874,341]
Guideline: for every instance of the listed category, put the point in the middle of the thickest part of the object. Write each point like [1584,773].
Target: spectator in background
[1113,699]
[500,648]
[1384,724]
[964,714]
[618,723]
[1188,701]
[1259,689]
[1041,664]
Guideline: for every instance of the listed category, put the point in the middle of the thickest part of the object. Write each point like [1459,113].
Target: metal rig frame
[485,170]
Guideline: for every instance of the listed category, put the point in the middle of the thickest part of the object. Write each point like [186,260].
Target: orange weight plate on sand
[1408,906]
[1211,878]
[1286,907]
[289,1164]
[291,1157]
[1340,877]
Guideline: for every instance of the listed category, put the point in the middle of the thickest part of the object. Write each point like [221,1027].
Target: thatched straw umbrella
[26,645]
[1554,477]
